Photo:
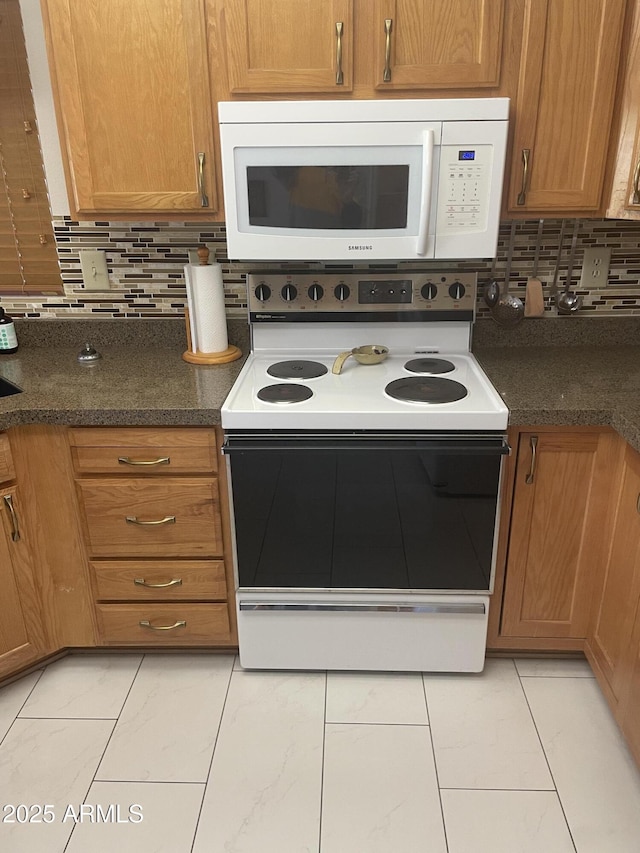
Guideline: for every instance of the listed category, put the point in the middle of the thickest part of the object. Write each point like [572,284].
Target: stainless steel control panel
[285,296]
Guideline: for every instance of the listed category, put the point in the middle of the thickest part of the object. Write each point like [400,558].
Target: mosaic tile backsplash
[146,259]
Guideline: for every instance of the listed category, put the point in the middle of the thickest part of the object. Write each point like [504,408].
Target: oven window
[380,519]
[329,197]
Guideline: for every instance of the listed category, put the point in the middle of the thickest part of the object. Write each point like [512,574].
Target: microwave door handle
[425,200]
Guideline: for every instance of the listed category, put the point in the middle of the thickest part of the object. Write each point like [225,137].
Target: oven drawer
[168,517]
[163,624]
[159,580]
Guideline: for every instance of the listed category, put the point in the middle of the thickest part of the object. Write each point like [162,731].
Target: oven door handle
[496,447]
[445,607]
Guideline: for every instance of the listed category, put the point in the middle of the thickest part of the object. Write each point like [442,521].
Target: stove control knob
[457,290]
[342,292]
[289,292]
[263,292]
[429,291]
[316,292]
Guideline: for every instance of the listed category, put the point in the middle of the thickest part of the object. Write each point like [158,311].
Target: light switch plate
[595,267]
[94,269]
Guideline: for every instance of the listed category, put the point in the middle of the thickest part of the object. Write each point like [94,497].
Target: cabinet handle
[15,527]
[204,200]
[522,195]
[161,460]
[144,623]
[143,582]
[168,519]
[532,470]
[339,74]
[386,74]
[635,199]
[638,503]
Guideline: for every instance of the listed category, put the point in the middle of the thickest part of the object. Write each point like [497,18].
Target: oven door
[364,552]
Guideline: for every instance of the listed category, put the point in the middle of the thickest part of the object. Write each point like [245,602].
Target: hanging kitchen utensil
[556,272]
[534,297]
[491,292]
[368,354]
[569,302]
[509,310]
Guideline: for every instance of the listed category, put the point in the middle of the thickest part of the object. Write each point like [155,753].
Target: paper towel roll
[206,304]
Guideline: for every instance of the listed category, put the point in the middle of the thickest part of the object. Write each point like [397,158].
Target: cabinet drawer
[143,451]
[160,580]
[6,462]
[168,517]
[204,624]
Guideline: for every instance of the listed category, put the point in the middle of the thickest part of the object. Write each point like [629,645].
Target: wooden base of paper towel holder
[231,353]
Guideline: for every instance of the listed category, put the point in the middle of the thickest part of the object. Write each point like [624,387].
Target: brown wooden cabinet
[629,709]
[570,54]
[558,493]
[157,535]
[22,638]
[319,47]
[134,102]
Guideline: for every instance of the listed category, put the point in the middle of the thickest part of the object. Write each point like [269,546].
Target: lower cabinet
[556,493]
[157,535]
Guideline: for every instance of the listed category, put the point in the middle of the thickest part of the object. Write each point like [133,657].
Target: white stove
[364,524]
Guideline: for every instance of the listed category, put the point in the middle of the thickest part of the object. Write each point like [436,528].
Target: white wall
[43,101]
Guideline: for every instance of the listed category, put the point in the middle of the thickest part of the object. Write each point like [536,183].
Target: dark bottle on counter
[8,337]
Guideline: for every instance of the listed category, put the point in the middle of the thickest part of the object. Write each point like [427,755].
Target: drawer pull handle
[168,519]
[339,74]
[532,470]
[386,74]
[522,195]
[638,503]
[143,582]
[15,527]
[144,623]
[204,199]
[161,460]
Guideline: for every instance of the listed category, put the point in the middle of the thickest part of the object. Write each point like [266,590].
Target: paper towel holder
[231,353]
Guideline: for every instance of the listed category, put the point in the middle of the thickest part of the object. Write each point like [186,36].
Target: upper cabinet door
[442,44]
[134,104]
[570,58]
[289,46]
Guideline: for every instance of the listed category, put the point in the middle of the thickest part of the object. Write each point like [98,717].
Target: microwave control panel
[309,296]
[465,181]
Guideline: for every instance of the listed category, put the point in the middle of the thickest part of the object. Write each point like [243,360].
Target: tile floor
[190,754]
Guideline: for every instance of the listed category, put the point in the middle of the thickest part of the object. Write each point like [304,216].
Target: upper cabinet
[624,202]
[319,47]
[131,82]
[565,100]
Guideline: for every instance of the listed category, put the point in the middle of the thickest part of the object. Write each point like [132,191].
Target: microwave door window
[326,197]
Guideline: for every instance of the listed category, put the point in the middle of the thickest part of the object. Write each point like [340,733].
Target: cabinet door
[629,711]
[609,637]
[289,45]
[560,494]
[442,44]
[134,102]
[21,635]
[570,56]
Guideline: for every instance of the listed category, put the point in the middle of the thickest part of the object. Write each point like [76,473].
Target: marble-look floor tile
[483,734]
[546,668]
[12,698]
[505,822]
[367,697]
[168,726]
[263,794]
[380,792]
[597,781]
[83,686]
[138,817]
[47,762]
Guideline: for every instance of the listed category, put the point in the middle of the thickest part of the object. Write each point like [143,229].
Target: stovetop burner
[288,392]
[426,389]
[297,369]
[429,365]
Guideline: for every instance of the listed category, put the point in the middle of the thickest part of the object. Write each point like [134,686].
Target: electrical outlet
[595,267]
[94,269]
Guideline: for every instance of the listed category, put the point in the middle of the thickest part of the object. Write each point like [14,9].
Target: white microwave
[363,180]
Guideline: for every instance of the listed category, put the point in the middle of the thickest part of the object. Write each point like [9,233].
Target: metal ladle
[509,310]
[569,302]
[491,292]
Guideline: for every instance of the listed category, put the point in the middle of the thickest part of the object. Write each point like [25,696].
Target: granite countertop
[590,377]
